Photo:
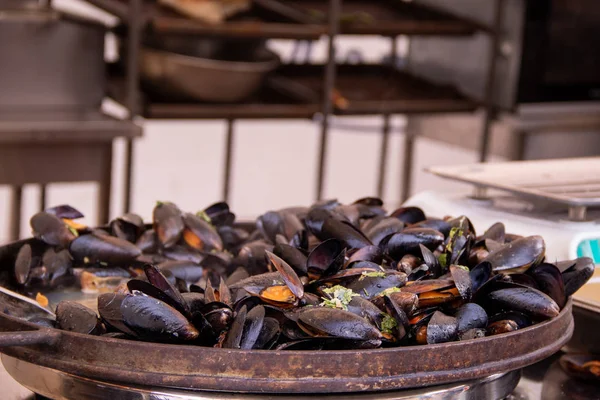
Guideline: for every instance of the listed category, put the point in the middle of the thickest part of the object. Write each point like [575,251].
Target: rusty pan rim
[270,371]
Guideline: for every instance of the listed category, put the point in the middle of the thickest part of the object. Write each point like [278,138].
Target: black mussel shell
[219,214]
[153,319]
[526,300]
[385,227]
[408,241]
[147,242]
[550,281]
[75,317]
[398,314]
[184,270]
[233,338]
[576,276]
[51,229]
[326,259]
[409,215]
[268,334]
[109,308]
[441,328]
[480,274]
[57,263]
[92,249]
[370,284]
[348,234]
[194,300]
[200,235]
[471,316]
[519,255]
[168,223]
[65,211]
[436,224]
[337,323]
[368,253]
[287,273]
[158,279]
[252,327]
[294,257]
[462,280]
[23,264]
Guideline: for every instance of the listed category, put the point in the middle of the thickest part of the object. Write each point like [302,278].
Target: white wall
[274,164]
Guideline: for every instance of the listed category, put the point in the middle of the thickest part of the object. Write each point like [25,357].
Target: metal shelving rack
[138,14]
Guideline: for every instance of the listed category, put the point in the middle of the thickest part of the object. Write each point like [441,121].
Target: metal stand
[327,106]
[132,84]
[228,160]
[385,132]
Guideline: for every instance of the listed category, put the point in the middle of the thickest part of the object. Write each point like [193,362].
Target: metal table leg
[327,107]
[104,192]
[43,194]
[15,213]
[228,160]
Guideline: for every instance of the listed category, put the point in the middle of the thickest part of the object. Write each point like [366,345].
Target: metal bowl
[196,78]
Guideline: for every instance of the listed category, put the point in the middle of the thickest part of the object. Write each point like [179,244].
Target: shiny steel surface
[59,385]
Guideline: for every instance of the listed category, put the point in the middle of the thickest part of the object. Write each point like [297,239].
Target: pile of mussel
[329,276]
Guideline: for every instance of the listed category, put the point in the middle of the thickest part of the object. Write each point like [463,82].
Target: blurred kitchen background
[275,161]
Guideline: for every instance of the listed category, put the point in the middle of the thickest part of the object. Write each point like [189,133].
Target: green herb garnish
[443,259]
[374,274]
[462,267]
[365,292]
[73,231]
[202,214]
[159,203]
[340,297]
[389,291]
[388,324]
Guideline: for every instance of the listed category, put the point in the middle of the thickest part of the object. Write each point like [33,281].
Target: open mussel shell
[436,224]
[51,229]
[518,256]
[397,313]
[200,235]
[322,321]
[287,273]
[372,254]
[168,223]
[75,317]
[158,279]
[128,227]
[326,259]
[252,256]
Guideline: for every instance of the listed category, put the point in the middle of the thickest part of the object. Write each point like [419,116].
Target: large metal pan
[261,371]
